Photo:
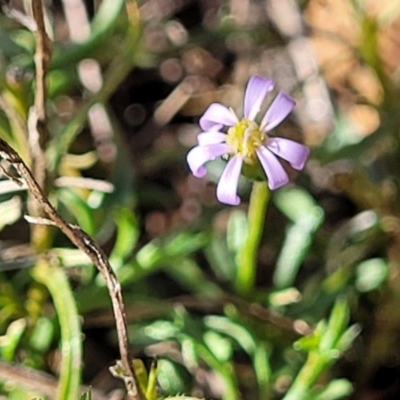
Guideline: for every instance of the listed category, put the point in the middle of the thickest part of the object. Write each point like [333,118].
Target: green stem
[71,336]
[300,389]
[247,257]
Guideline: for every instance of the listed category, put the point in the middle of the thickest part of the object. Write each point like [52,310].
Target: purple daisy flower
[246,140]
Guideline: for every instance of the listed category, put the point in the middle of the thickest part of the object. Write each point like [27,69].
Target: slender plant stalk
[247,258]
[37,127]
[37,124]
[307,376]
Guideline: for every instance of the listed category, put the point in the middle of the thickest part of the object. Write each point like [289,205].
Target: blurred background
[127,83]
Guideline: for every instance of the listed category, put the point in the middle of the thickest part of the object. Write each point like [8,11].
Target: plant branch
[84,242]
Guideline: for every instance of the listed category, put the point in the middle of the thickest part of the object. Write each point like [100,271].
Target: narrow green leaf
[86,395]
[371,274]
[10,341]
[336,326]
[71,336]
[78,208]
[335,390]
[236,230]
[127,236]
[151,391]
[306,217]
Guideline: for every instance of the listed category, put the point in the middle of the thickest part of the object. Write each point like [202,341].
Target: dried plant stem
[42,59]
[84,242]
[38,133]
[37,126]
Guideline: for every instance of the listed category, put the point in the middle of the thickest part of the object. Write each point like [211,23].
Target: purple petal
[210,137]
[295,153]
[199,155]
[217,114]
[228,183]
[280,108]
[256,90]
[276,174]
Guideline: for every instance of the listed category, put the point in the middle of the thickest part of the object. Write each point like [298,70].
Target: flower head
[246,141]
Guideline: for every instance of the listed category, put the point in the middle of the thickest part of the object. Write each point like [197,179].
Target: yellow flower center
[245,138]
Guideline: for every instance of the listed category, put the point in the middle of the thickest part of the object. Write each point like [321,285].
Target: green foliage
[86,396]
[324,346]
[292,295]
[306,217]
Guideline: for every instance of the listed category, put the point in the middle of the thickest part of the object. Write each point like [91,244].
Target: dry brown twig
[42,59]
[38,133]
[36,125]
[84,242]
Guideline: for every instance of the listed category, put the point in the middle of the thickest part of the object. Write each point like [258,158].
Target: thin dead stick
[42,59]
[37,127]
[84,242]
